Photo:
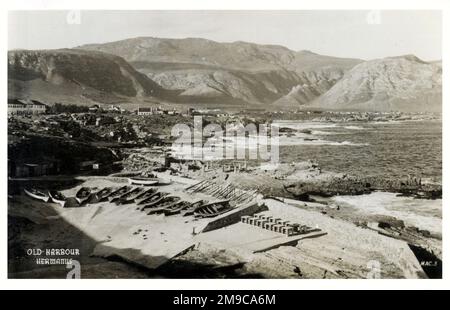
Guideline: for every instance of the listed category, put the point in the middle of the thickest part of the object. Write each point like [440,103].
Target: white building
[145,111]
[149,111]
[19,106]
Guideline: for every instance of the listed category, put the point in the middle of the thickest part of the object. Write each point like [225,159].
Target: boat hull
[102,195]
[129,196]
[144,195]
[42,197]
[213,209]
[177,208]
[147,182]
[83,195]
[162,206]
[118,193]
[54,199]
[81,200]
[150,199]
[163,182]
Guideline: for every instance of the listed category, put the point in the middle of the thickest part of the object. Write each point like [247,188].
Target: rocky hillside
[312,85]
[78,76]
[396,83]
[214,83]
[248,72]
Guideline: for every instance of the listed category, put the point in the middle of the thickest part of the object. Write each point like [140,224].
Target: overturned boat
[57,197]
[213,209]
[143,181]
[36,194]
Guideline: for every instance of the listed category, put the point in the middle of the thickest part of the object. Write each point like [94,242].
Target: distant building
[144,111]
[94,108]
[156,111]
[149,111]
[171,112]
[117,109]
[24,107]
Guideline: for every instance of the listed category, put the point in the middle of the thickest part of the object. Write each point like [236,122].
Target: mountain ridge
[193,70]
[258,74]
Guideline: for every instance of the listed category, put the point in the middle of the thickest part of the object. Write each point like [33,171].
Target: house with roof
[25,107]
[149,111]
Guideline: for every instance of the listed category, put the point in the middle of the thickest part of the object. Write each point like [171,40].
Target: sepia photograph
[224,144]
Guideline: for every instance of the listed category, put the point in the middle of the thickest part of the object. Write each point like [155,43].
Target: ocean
[375,149]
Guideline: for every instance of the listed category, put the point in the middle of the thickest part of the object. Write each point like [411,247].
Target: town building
[116,109]
[94,108]
[149,111]
[144,111]
[25,107]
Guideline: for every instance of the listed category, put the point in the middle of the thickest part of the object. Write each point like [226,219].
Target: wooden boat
[162,182]
[176,208]
[36,194]
[144,195]
[102,194]
[83,195]
[160,206]
[129,197]
[213,209]
[153,197]
[116,194]
[57,197]
[154,201]
[143,181]
[192,208]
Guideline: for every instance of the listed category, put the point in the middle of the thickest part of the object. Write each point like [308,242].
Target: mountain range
[193,70]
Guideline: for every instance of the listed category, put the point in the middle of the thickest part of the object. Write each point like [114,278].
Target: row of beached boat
[85,194]
[170,205]
[147,199]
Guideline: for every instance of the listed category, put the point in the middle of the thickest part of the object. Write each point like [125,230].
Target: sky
[353,34]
